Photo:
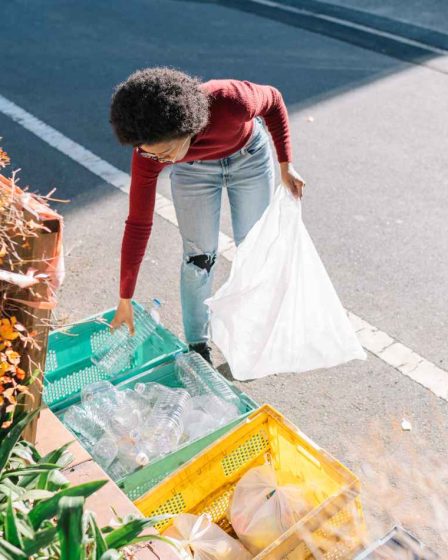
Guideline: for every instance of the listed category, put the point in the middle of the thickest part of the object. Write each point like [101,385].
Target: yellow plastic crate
[333,530]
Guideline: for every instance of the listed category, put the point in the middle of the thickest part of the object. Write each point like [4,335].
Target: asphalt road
[370,136]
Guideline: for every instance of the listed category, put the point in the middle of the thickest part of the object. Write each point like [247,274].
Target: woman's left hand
[291,179]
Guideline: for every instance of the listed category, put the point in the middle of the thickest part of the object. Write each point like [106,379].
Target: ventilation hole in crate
[172,506]
[71,384]
[99,338]
[338,537]
[254,446]
[138,491]
[51,361]
[218,508]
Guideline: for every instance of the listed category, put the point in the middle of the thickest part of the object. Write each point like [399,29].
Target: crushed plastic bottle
[79,421]
[105,450]
[165,427]
[117,353]
[109,408]
[199,378]
[151,391]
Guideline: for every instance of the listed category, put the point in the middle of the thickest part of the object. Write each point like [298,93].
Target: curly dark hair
[158,105]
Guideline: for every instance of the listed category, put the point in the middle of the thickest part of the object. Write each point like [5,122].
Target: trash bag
[262,509]
[278,311]
[198,538]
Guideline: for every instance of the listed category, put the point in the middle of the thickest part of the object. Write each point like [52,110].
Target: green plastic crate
[140,481]
[69,367]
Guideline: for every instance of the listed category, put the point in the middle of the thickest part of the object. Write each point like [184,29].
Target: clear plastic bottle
[133,452]
[109,408]
[105,450]
[151,391]
[80,421]
[165,427]
[132,400]
[117,353]
[199,378]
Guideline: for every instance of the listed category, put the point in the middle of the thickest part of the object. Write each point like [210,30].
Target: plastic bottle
[109,408]
[151,391]
[78,420]
[117,353]
[199,378]
[165,427]
[132,400]
[133,452]
[105,450]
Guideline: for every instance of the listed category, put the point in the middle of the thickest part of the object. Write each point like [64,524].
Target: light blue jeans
[248,175]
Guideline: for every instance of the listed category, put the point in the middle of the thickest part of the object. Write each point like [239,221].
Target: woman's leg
[196,190]
[250,184]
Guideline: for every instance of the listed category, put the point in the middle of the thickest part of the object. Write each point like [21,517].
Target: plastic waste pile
[126,428]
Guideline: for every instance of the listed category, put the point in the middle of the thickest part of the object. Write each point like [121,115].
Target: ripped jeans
[248,175]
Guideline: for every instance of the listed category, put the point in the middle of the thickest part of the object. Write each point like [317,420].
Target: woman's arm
[253,100]
[138,225]
[266,101]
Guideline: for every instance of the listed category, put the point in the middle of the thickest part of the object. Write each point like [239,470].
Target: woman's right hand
[124,314]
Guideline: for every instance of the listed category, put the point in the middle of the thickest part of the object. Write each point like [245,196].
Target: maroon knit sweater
[234,104]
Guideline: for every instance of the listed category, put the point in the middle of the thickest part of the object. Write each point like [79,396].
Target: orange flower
[4,367]
[20,374]
[7,329]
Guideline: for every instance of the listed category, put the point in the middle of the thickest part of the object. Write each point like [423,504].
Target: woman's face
[171,151]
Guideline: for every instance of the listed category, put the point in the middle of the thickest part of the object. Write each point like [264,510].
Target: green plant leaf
[10,552]
[48,508]
[41,540]
[25,529]
[57,481]
[146,538]
[12,437]
[60,457]
[35,494]
[70,531]
[8,488]
[28,471]
[125,534]
[11,530]
[60,454]
[99,542]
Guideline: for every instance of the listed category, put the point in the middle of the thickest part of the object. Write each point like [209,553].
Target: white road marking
[375,341]
[350,24]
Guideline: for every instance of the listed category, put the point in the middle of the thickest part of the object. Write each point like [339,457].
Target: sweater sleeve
[138,225]
[266,101]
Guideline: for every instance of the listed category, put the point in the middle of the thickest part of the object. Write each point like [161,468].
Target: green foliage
[42,517]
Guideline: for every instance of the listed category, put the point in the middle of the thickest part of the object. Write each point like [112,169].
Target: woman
[212,135]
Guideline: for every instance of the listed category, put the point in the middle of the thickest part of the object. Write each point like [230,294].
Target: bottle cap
[141,459]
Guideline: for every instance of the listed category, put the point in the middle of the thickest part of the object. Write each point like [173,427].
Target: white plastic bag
[261,509]
[198,538]
[278,311]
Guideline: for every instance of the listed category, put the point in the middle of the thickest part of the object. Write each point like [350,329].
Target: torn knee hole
[205,261]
